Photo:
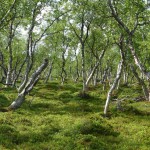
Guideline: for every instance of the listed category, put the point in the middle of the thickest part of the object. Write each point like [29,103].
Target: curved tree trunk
[28,87]
[130,34]
[18,102]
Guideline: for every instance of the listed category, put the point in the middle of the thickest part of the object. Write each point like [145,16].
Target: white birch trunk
[28,87]
[49,71]
[130,34]
[96,77]
[95,67]
[18,102]
[9,48]
[118,75]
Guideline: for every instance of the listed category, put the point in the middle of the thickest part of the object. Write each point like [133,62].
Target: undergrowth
[56,117]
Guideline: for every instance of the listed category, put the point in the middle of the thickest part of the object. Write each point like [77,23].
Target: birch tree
[28,87]
[139,19]
[118,75]
[82,36]
[13,25]
[32,40]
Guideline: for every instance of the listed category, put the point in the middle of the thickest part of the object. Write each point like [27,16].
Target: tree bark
[12,29]
[130,39]
[95,67]
[130,34]
[63,73]
[83,36]
[77,67]
[28,87]
[18,102]
[118,75]
[125,75]
[141,82]
[96,77]
[49,71]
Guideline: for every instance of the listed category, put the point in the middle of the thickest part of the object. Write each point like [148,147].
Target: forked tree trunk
[83,36]
[28,87]
[130,34]
[95,67]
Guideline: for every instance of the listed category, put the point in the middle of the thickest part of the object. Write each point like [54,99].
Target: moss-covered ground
[54,117]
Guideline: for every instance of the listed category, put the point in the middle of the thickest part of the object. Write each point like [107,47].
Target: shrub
[96,125]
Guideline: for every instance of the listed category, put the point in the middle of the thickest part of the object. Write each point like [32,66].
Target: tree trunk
[18,102]
[95,67]
[77,68]
[28,87]
[63,73]
[141,82]
[83,69]
[130,34]
[104,78]
[125,75]
[118,75]
[96,77]
[49,71]
[9,48]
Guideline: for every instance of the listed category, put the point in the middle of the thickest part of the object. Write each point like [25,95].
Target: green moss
[55,117]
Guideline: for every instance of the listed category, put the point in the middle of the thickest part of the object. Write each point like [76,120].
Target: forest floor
[55,117]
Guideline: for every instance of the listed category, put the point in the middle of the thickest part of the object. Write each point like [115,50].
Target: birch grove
[82,41]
